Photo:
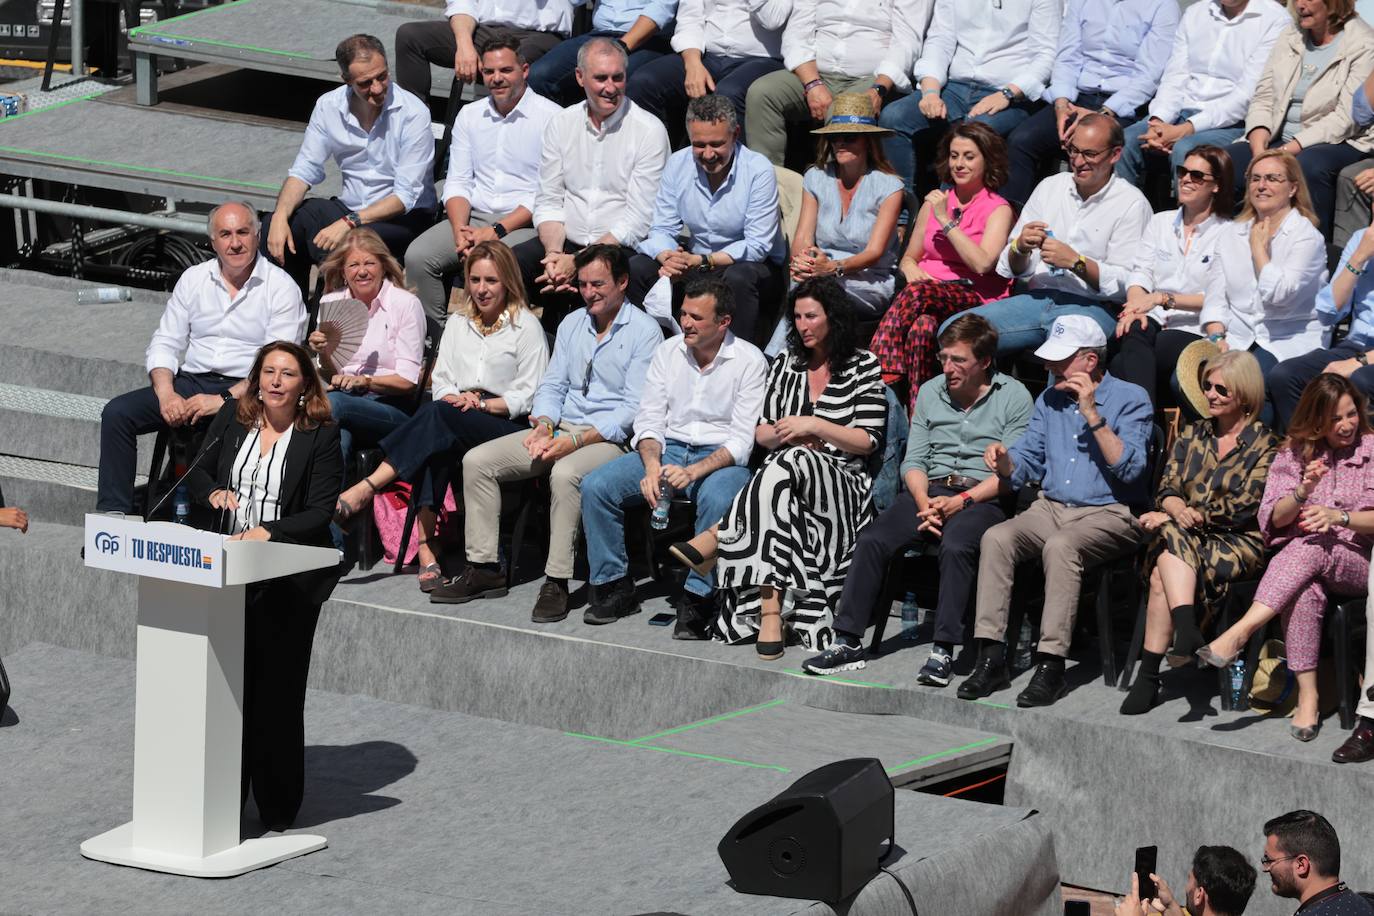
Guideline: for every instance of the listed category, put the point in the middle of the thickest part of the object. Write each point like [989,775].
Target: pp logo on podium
[106,542]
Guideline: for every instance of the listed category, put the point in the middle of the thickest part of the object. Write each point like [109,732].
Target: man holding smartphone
[1220,883]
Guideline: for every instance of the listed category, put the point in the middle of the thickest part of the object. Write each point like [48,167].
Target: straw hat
[1274,688]
[1189,368]
[851,113]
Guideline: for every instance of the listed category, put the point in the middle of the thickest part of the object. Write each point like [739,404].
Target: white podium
[188,718]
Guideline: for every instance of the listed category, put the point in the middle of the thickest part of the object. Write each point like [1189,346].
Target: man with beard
[1302,856]
[1220,883]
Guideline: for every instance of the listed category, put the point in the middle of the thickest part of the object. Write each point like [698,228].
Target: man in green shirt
[958,415]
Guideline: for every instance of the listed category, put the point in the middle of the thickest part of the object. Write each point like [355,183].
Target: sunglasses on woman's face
[1221,390]
[1198,177]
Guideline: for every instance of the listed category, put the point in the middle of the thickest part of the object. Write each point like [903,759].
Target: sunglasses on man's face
[1194,174]
[1221,390]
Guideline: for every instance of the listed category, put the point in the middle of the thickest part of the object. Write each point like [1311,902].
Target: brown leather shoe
[1359,747]
[552,603]
[471,583]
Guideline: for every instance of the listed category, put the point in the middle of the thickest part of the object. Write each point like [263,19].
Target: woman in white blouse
[490,362]
[1164,292]
[1269,266]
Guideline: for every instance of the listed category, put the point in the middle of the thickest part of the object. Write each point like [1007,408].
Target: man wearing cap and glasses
[1302,857]
[1087,446]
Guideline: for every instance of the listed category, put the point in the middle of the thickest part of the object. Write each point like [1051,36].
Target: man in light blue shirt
[379,135]
[725,196]
[1355,184]
[1110,59]
[642,26]
[582,416]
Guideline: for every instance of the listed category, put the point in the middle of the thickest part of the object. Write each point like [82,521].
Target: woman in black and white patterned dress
[792,528]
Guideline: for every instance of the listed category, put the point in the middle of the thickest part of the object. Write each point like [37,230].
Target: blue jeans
[1131,166]
[364,417]
[904,118]
[614,487]
[553,77]
[1024,321]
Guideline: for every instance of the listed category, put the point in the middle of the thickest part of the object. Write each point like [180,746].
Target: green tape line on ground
[209,9]
[993,705]
[710,721]
[135,168]
[831,679]
[938,754]
[189,39]
[678,753]
[52,107]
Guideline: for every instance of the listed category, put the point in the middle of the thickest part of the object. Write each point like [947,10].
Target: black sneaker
[837,658]
[1046,685]
[695,614]
[613,601]
[987,678]
[469,584]
[552,604]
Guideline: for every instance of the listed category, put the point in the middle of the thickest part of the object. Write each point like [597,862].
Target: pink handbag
[389,512]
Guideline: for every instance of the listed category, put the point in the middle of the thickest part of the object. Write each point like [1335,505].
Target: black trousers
[1033,147]
[529,255]
[315,213]
[1147,356]
[758,286]
[1287,380]
[279,630]
[895,530]
[419,44]
[436,439]
[129,416]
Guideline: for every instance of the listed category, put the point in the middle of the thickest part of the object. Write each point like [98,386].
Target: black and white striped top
[256,480]
[854,397]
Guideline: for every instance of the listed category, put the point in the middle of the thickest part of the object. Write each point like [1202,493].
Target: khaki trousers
[492,463]
[1068,540]
[777,100]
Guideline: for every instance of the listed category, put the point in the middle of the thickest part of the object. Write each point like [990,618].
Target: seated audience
[599,170]
[1073,244]
[722,46]
[694,433]
[1083,515]
[493,174]
[1350,293]
[950,263]
[957,416]
[379,135]
[1206,518]
[642,26]
[491,358]
[1269,265]
[1219,51]
[14,517]
[373,392]
[1302,101]
[1220,882]
[1317,514]
[792,528]
[467,25]
[1302,856]
[832,48]
[724,196]
[1164,292]
[219,315]
[983,60]
[1110,59]
[582,415]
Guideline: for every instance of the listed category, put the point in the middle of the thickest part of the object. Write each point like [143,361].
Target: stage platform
[440,812]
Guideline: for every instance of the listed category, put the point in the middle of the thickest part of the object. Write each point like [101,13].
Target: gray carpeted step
[56,426]
[52,493]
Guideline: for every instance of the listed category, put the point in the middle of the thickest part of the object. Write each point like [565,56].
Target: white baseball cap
[1068,335]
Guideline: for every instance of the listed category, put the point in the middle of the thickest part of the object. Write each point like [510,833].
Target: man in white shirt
[831,47]
[468,24]
[1220,50]
[379,135]
[722,46]
[1074,244]
[220,314]
[598,174]
[694,433]
[983,60]
[493,174]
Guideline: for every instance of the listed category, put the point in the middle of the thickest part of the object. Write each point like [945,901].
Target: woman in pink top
[949,263]
[374,392]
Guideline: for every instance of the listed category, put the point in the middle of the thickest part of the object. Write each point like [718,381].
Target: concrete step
[52,493]
[56,426]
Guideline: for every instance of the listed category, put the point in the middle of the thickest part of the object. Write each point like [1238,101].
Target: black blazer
[309,491]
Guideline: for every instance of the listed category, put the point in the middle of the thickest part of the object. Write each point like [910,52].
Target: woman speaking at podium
[272,467]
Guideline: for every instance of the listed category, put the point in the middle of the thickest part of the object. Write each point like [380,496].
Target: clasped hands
[463,400]
[937,512]
[178,411]
[543,445]
[674,263]
[811,262]
[1161,137]
[1053,252]
[1315,519]
[558,273]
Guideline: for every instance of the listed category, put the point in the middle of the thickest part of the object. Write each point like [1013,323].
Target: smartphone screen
[1078,908]
[662,620]
[1145,865]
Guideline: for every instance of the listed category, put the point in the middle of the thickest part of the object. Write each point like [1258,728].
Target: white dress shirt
[1163,266]
[1216,63]
[992,43]
[1277,309]
[256,480]
[1106,227]
[536,15]
[716,405]
[221,333]
[493,161]
[732,28]
[509,362]
[857,38]
[395,157]
[598,181]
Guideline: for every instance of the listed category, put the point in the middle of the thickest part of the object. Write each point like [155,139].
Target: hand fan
[343,322]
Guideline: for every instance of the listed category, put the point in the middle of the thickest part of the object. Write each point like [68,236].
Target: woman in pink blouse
[372,393]
[949,263]
[1316,513]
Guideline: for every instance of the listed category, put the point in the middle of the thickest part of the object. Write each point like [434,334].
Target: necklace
[486,330]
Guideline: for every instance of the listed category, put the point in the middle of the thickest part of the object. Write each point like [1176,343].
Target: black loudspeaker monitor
[820,839]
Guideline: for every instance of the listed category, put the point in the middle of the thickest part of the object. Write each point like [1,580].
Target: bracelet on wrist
[949,226]
[925,92]
[1357,271]
[812,85]
[577,441]
[1345,519]
[1296,498]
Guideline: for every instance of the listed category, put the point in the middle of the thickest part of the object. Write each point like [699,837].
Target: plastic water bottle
[181,506]
[1054,271]
[911,616]
[1237,682]
[104,294]
[659,520]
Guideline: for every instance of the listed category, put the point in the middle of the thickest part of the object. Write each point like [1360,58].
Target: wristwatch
[1101,422]
[1362,357]
[500,230]
[353,219]
[1170,302]
[1080,266]
[968,500]
[881,90]
[1007,94]
[482,404]
[226,396]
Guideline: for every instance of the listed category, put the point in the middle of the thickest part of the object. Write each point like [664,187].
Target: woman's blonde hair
[367,241]
[507,269]
[1241,373]
[1338,12]
[1302,201]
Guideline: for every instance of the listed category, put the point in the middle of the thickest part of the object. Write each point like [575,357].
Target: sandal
[344,513]
[773,649]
